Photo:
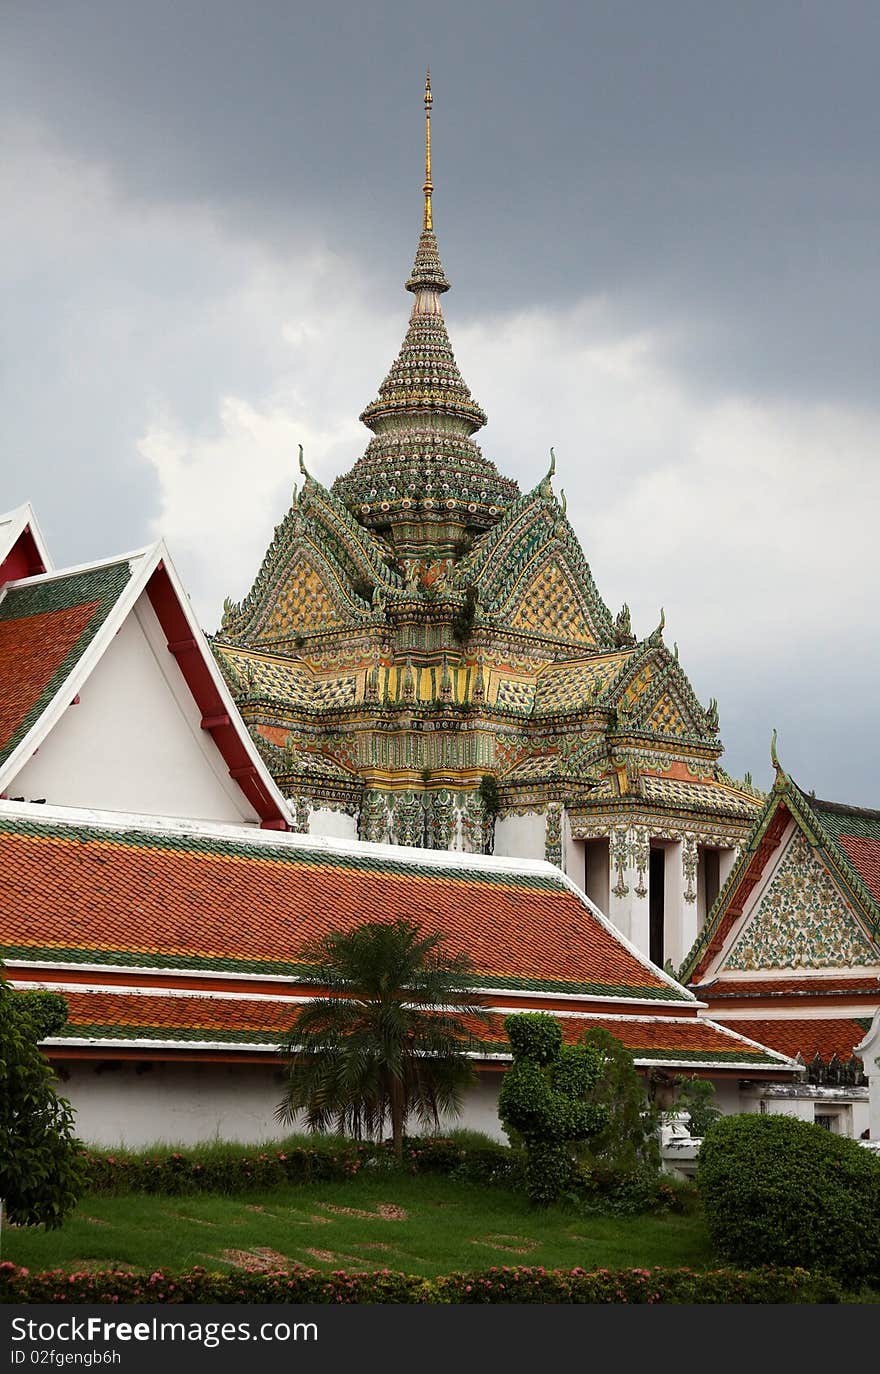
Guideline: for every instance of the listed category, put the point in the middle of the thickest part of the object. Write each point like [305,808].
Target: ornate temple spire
[422,463]
[429,185]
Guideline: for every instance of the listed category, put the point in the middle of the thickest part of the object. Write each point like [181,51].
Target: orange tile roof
[828,986]
[825,1037]
[31,651]
[864,855]
[45,626]
[75,894]
[250,1023]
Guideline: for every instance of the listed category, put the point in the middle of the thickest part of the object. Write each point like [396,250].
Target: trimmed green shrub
[543,1102]
[617,1192]
[781,1191]
[496,1285]
[231,1169]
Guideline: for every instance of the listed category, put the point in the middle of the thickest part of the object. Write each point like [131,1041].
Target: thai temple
[422,708]
[424,659]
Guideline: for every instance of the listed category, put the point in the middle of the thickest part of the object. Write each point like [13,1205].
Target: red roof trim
[200,681]
[23,560]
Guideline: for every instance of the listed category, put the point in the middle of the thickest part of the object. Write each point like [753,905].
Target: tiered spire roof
[422,462]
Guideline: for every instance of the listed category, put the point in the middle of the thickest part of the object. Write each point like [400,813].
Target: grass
[427,1226]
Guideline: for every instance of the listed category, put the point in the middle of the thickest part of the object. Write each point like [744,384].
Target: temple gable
[551,605]
[801,920]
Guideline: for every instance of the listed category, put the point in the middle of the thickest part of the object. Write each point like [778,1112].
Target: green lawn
[427,1226]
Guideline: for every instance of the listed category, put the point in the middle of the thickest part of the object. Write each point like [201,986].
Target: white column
[628,904]
[574,859]
[869,1052]
[726,860]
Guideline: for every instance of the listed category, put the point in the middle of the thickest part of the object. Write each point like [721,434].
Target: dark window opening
[711,877]
[596,873]
[657,903]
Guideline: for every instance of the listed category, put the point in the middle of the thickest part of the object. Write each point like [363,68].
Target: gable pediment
[655,696]
[801,920]
[551,604]
[306,600]
[530,572]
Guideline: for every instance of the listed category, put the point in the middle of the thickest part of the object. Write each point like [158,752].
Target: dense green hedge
[232,1170]
[781,1191]
[514,1285]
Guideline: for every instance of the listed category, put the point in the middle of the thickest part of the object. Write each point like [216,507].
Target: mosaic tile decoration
[801,920]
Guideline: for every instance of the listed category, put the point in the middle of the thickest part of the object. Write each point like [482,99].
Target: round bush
[783,1192]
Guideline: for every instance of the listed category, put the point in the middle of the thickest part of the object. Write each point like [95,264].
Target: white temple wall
[335,824]
[521,837]
[134,742]
[186,1104]
[174,1104]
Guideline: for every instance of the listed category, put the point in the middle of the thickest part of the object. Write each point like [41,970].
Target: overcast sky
[660,222]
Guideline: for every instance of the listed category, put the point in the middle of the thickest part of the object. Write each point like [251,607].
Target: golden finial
[429,185]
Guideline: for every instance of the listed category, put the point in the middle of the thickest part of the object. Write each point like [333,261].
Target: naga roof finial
[302,466]
[545,487]
[656,636]
[774,758]
[429,185]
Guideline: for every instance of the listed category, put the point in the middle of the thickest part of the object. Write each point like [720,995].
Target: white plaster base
[335,824]
[521,837]
[186,1104]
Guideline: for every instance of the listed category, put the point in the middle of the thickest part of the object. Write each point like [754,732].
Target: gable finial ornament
[545,487]
[774,759]
[712,715]
[623,627]
[657,636]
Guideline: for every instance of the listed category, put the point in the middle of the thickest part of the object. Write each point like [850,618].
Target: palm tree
[390,1037]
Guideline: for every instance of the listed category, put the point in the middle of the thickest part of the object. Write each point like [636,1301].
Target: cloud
[164,365]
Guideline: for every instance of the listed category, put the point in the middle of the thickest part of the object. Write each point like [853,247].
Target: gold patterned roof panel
[639,685]
[305,602]
[512,693]
[667,719]
[534,768]
[570,686]
[716,797]
[551,605]
[257,675]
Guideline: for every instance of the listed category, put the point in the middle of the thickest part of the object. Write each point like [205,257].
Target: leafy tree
[628,1141]
[695,1097]
[389,1040]
[544,1102]
[40,1164]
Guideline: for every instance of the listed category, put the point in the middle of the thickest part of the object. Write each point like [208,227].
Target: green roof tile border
[305,972]
[215,846]
[200,1035]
